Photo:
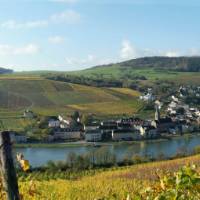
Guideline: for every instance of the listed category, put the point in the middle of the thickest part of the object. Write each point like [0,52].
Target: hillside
[47,97]
[150,68]
[117,183]
[5,71]
[187,64]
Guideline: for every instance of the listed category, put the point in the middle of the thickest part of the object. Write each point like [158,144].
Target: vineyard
[166,180]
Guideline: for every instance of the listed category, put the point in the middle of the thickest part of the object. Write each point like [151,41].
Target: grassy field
[46,97]
[116,183]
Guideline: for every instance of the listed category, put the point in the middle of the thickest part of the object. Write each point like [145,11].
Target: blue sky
[76,34]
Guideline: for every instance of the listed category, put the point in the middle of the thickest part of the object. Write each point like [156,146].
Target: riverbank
[98,144]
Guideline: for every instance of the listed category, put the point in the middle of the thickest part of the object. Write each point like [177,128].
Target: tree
[71,159]
[86,119]
[75,115]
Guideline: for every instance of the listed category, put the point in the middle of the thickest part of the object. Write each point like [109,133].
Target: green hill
[179,69]
[47,97]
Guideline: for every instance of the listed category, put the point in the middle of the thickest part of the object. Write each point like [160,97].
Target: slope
[48,97]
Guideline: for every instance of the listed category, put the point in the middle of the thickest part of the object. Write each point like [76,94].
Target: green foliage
[182,185]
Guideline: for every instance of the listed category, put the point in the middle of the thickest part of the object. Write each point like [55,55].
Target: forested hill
[5,71]
[133,72]
[188,64]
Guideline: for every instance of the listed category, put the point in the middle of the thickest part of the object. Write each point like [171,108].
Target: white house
[172,105]
[148,131]
[175,99]
[147,97]
[64,125]
[66,121]
[53,123]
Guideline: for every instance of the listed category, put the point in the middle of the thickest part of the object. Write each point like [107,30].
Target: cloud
[67,16]
[172,54]
[28,49]
[56,39]
[12,24]
[127,50]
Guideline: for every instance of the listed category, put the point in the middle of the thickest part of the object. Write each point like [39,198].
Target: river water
[38,156]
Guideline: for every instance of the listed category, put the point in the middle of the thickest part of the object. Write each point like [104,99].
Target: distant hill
[187,64]
[5,71]
[178,69]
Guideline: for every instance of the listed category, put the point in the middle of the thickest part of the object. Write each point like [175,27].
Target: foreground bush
[182,185]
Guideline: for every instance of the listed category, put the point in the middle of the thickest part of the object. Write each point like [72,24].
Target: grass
[115,183]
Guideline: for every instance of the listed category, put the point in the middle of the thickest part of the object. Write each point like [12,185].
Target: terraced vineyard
[47,97]
[136,182]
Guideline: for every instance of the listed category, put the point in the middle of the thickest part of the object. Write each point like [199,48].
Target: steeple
[157,113]
[157,110]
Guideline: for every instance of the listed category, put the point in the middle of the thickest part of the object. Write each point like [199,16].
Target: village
[172,118]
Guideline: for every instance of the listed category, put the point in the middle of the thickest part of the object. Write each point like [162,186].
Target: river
[38,156]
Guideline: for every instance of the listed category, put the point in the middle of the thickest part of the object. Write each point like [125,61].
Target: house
[18,138]
[123,126]
[147,97]
[93,135]
[108,126]
[67,120]
[148,132]
[53,122]
[125,134]
[151,132]
[64,125]
[175,99]
[67,134]
[163,125]
[28,114]
[91,126]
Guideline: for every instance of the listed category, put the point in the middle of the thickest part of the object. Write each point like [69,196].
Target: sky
[68,35]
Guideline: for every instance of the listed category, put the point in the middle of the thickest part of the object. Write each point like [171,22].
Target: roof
[164,120]
[123,131]
[108,127]
[92,131]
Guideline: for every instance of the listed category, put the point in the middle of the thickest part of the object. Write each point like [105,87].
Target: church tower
[157,111]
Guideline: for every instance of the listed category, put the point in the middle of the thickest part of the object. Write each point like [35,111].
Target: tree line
[97,82]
